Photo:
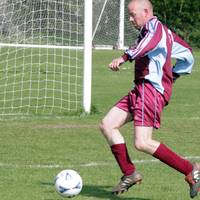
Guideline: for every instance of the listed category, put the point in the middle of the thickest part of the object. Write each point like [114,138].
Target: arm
[182,52]
[148,39]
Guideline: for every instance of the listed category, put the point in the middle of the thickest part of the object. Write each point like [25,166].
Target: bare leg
[109,126]
[143,140]
[145,143]
[111,123]
[110,129]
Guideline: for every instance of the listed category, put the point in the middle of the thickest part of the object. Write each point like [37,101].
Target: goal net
[41,56]
[111,26]
[42,51]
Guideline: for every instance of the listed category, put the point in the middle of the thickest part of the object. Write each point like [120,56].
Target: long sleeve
[149,37]
[182,52]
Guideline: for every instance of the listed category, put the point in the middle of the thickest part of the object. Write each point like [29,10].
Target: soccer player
[154,77]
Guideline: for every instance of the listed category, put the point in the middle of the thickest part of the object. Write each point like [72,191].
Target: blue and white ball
[68,183]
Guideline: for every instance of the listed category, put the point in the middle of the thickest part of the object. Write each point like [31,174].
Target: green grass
[34,149]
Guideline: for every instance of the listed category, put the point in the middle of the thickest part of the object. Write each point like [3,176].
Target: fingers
[115,64]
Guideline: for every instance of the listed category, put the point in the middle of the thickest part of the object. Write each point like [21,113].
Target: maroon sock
[164,154]
[121,155]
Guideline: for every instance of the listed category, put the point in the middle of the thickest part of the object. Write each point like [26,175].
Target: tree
[181,16]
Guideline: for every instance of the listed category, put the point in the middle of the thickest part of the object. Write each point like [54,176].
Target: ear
[146,12]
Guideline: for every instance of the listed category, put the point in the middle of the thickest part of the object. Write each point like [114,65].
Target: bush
[182,17]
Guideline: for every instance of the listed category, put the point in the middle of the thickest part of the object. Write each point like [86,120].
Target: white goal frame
[87,54]
[86,46]
[87,74]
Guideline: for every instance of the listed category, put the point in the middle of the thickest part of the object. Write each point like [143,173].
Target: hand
[115,64]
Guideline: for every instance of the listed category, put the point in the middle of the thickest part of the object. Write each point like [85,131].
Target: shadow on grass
[102,192]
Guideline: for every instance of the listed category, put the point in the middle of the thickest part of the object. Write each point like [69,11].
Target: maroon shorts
[145,104]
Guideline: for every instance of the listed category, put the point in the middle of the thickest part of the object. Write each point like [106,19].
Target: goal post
[87,77]
[121,25]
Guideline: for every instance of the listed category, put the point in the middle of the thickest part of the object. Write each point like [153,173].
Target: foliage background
[181,16]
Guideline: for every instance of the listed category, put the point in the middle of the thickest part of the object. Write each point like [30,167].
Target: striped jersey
[152,52]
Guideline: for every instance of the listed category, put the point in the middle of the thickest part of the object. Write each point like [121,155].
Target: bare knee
[141,145]
[104,127]
[143,140]
[147,146]
[110,132]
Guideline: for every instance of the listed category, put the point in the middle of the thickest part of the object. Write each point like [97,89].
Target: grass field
[34,149]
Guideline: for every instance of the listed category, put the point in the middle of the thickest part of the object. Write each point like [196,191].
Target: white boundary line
[87,165]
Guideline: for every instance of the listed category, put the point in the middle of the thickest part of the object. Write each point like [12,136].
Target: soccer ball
[68,183]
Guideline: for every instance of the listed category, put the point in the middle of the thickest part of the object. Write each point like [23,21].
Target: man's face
[137,15]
